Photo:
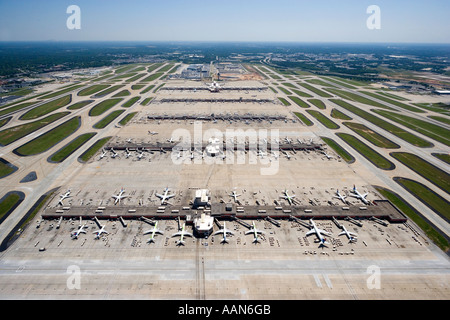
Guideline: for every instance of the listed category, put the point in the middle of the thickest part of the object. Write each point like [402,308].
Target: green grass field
[371,136]
[108,91]
[438,177]
[73,146]
[13,134]
[319,92]
[318,103]
[127,118]
[443,157]
[103,106]
[299,102]
[427,196]
[50,138]
[304,119]
[426,128]
[80,105]
[347,157]
[152,77]
[336,114]
[108,119]
[86,156]
[8,203]
[323,119]
[367,152]
[402,134]
[46,108]
[284,101]
[93,89]
[131,102]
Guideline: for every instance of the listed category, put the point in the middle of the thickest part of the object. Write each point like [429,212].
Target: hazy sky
[226,20]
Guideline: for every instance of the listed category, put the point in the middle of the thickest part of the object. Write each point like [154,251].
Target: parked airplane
[288,197]
[255,233]
[104,152]
[327,155]
[340,197]
[63,197]
[164,197]
[114,153]
[119,197]
[359,196]
[170,140]
[99,233]
[214,87]
[75,234]
[224,231]
[350,235]
[234,195]
[153,231]
[182,234]
[127,153]
[318,232]
[153,133]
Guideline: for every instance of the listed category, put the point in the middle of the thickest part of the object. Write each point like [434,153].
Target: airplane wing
[159,195]
[153,230]
[170,196]
[310,232]
[324,232]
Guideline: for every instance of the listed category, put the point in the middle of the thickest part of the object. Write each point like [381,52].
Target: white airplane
[182,234]
[359,196]
[224,231]
[153,231]
[350,235]
[164,197]
[114,154]
[261,154]
[288,141]
[64,196]
[153,133]
[234,195]
[276,155]
[130,140]
[288,156]
[214,87]
[288,197]
[119,197]
[255,233]
[170,140]
[127,153]
[104,152]
[340,197]
[327,155]
[75,234]
[98,233]
[318,232]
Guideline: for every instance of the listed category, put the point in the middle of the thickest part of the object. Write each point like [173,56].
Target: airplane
[130,140]
[214,87]
[170,140]
[318,232]
[234,195]
[288,141]
[340,197]
[119,197]
[165,197]
[224,231]
[100,232]
[288,197]
[182,234]
[114,153]
[127,153]
[103,154]
[255,233]
[327,155]
[261,154]
[276,155]
[350,235]
[153,231]
[64,196]
[140,155]
[75,234]
[153,133]
[359,196]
